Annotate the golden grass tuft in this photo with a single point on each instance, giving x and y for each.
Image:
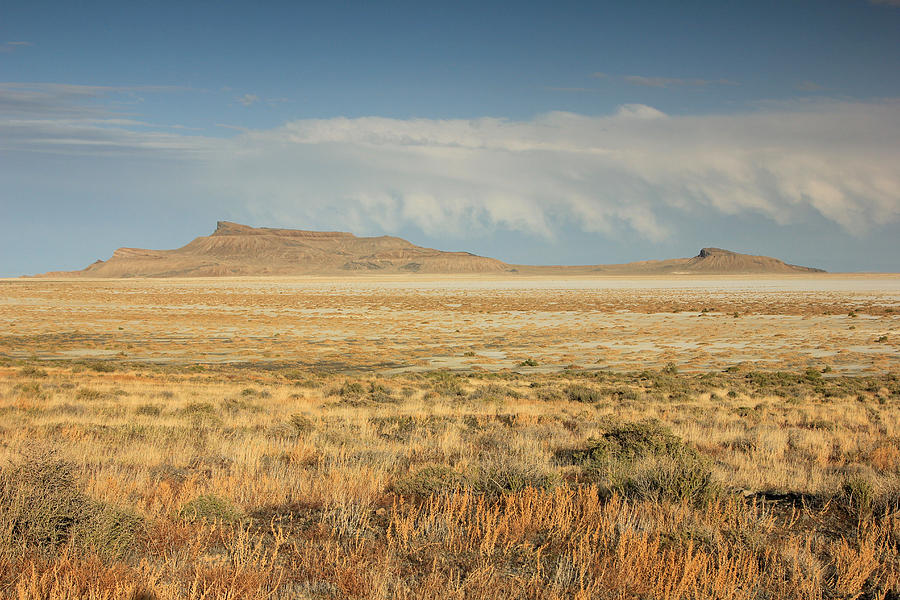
(184, 484)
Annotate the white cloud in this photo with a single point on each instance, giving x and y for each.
(620, 174)
(248, 99)
(607, 174)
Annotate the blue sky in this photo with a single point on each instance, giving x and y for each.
(537, 133)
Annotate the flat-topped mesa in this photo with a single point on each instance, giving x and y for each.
(235, 249)
(707, 252)
(228, 228)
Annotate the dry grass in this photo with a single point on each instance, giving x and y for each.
(141, 482)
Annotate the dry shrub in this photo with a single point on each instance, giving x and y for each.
(866, 495)
(885, 457)
(41, 502)
(645, 460)
(503, 474)
(44, 508)
(583, 393)
(31, 391)
(210, 508)
(430, 479)
(630, 441)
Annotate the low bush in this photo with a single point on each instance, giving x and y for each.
(31, 391)
(301, 423)
(583, 393)
(503, 474)
(680, 478)
(493, 392)
(644, 460)
(630, 441)
(210, 508)
(42, 507)
(148, 410)
(428, 480)
(30, 371)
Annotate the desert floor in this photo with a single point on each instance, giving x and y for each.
(452, 438)
(423, 323)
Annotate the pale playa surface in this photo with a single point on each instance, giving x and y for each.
(404, 322)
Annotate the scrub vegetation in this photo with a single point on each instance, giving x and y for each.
(149, 482)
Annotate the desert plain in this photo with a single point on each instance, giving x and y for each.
(451, 436)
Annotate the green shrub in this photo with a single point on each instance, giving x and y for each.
(352, 388)
(381, 393)
(198, 409)
(31, 390)
(234, 406)
(90, 395)
(254, 393)
(866, 494)
(430, 479)
(110, 531)
(42, 507)
(210, 508)
(32, 372)
(301, 423)
(679, 478)
(40, 502)
(499, 474)
(148, 410)
(493, 392)
(644, 460)
(549, 394)
(631, 441)
(101, 367)
(583, 393)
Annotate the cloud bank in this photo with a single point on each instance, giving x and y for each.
(608, 174)
(620, 175)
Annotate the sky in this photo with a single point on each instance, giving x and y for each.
(536, 133)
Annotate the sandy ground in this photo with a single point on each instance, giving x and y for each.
(848, 322)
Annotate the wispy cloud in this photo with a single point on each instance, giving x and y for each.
(808, 86)
(663, 82)
(251, 99)
(551, 88)
(82, 119)
(66, 100)
(13, 46)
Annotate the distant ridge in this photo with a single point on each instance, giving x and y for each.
(710, 260)
(234, 250)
